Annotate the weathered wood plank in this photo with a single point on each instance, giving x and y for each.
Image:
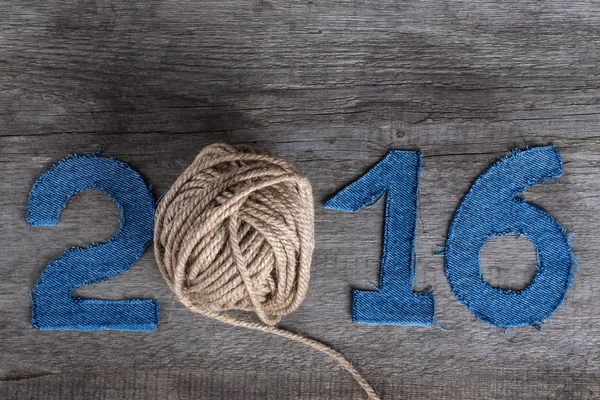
(331, 85)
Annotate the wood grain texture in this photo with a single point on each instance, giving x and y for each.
(332, 86)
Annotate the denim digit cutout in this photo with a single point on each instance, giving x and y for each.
(53, 306)
(492, 209)
(397, 178)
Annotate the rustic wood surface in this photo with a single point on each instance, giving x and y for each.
(332, 86)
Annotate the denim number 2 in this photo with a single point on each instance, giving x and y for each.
(489, 209)
(53, 306)
(396, 178)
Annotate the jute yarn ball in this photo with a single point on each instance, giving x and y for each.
(236, 232)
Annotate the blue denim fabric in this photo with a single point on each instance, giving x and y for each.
(492, 209)
(396, 177)
(53, 306)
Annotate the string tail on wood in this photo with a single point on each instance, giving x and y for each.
(236, 232)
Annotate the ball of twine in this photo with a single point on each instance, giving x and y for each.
(236, 232)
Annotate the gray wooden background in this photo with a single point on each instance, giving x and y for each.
(331, 85)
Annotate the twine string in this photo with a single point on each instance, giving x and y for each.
(236, 232)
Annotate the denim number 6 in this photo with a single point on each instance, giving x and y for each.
(53, 306)
(492, 209)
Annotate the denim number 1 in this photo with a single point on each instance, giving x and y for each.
(397, 178)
